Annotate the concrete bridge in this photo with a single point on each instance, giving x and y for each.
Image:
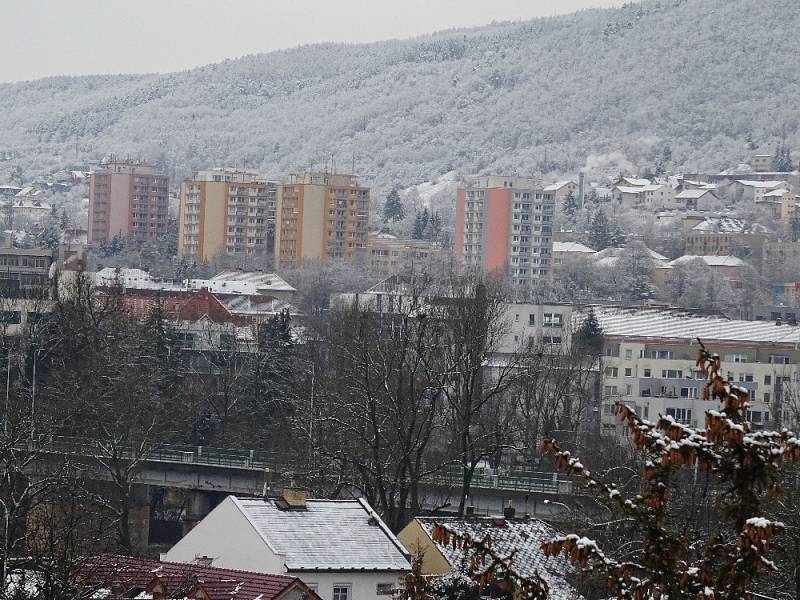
(208, 474)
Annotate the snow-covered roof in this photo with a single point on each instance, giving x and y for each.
(639, 189)
(778, 193)
(227, 282)
(256, 305)
(617, 252)
(571, 247)
(634, 182)
(674, 323)
(711, 261)
(721, 225)
(246, 281)
(521, 537)
(769, 185)
(29, 191)
(692, 194)
(329, 535)
(558, 185)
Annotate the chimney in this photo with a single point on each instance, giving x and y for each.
(293, 499)
(509, 512)
(581, 188)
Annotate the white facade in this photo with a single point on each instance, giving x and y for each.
(346, 554)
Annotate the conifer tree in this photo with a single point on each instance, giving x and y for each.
(393, 210)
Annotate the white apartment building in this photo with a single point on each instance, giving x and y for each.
(650, 356)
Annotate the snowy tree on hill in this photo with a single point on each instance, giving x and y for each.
(782, 161)
(635, 268)
(420, 224)
(602, 233)
(393, 210)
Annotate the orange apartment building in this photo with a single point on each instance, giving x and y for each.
(320, 217)
(127, 198)
(226, 211)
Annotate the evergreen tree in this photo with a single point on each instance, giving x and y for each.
(601, 235)
(636, 269)
(393, 210)
(434, 226)
(782, 161)
(570, 205)
(420, 224)
(589, 336)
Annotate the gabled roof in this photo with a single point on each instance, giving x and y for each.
(639, 189)
(684, 324)
(558, 185)
(632, 181)
(137, 576)
(711, 261)
(522, 537)
(777, 193)
(617, 252)
(693, 194)
(761, 184)
(328, 535)
(571, 247)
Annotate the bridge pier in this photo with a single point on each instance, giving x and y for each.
(198, 504)
(139, 517)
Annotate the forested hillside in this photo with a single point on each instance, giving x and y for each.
(699, 81)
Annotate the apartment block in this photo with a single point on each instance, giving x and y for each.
(389, 254)
(320, 217)
(505, 224)
(226, 211)
(127, 198)
(649, 365)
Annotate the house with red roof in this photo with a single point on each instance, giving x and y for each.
(112, 576)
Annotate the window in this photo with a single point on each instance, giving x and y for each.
(778, 359)
(612, 372)
(671, 374)
(745, 377)
(553, 320)
(735, 358)
(383, 589)
(688, 392)
(341, 591)
(681, 415)
(754, 416)
(628, 354)
(766, 397)
(531, 320)
(647, 373)
(628, 372)
(611, 390)
(767, 379)
(628, 389)
(662, 354)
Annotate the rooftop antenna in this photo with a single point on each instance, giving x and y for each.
(353, 167)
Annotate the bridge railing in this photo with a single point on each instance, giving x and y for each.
(169, 453)
(517, 481)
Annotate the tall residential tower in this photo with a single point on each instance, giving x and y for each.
(505, 224)
(226, 211)
(320, 216)
(127, 198)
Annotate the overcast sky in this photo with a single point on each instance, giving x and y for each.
(77, 37)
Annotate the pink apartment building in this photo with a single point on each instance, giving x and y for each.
(127, 198)
(506, 224)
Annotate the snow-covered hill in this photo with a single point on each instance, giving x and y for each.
(701, 77)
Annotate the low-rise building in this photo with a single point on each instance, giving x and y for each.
(646, 197)
(649, 364)
(388, 253)
(695, 199)
(113, 576)
(341, 549)
(754, 191)
(726, 236)
(520, 538)
(730, 267)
